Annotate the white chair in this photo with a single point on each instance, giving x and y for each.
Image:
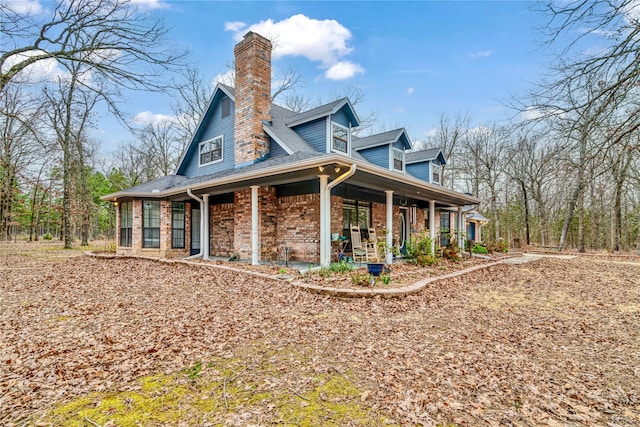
(360, 252)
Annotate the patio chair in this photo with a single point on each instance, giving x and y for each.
(372, 246)
(359, 251)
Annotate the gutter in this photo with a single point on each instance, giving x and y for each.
(325, 213)
(307, 163)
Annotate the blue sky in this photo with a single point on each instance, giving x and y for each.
(412, 60)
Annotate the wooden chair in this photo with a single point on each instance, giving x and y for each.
(372, 246)
(360, 252)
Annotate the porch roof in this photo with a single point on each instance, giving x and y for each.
(295, 168)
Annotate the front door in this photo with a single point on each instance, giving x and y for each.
(195, 231)
(403, 229)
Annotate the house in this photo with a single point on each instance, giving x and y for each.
(257, 178)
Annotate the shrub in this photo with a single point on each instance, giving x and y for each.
(479, 249)
(47, 236)
(419, 249)
(341, 267)
(360, 279)
(499, 246)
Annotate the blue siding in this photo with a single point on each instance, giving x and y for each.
(276, 150)
(379, 156)
(399, 145)
(341, 117)
(420, 170)
(213, 125)
(315, 133)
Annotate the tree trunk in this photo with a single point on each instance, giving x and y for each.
(581, 248)
(526, 211)
(569, 216)
(617, 216)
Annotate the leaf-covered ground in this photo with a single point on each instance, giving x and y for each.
(90, 341)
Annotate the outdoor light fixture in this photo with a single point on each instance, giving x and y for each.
(337, 169)
(321, 168)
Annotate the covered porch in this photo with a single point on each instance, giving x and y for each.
(256, 213)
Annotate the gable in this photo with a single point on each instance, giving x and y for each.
(212, 125)
(379, 156)
(420, 170)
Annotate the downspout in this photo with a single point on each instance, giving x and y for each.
(325, 216)
(194, 197)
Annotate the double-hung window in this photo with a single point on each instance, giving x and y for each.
(339, 138)
(177, 224)
(211, 150)
(398, 160)
(445, 231)
(150, 224)
(126, 222)
(436, 171)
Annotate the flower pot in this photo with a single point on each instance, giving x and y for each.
(374, 268)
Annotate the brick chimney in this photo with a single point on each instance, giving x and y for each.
(252, 98)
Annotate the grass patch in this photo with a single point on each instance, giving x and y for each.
(257, 387)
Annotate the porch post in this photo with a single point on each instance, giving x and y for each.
(389, 203)
(432, 225)
(255, 248)
(325, 222)
(460, 229)
(204, 235)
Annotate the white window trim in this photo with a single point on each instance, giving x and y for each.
(431, 170)
(348, 129)
(221, 138)
(392, 160)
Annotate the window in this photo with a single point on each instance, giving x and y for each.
(211, 150)
(426, 219)
(445, 231)
(340, 138)
(177, 224)
(126, 221)
(356, 212)
(398, 160)
(435, 174)
(225, 107)
(150, 224)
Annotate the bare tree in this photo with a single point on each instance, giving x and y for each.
(18, 134)
(486, 149)
(449, 135)
(160, 143)
(193, 96)
(112, 38)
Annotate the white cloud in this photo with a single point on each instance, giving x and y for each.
(410, 91)
(149, 118)
(227, 78)
(234, 26)
(480, 131)
(481, 54)
(431, 133)
(343, 70)
(537, 113)
(24, 7)
(322, 41)
(151, 4)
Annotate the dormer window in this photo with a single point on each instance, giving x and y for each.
(339, 138)
(211, 150)
(398, 160)
(436, 171)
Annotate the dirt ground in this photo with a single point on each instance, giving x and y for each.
(108, 342)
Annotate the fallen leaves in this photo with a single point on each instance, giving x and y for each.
(550, 342)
